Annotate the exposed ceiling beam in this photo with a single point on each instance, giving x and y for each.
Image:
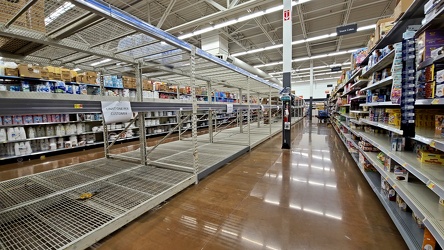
(219, 15)
(216, 5)
(303, 28)
(233, 3)
(166, 13)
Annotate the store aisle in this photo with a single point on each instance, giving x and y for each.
(311, 197)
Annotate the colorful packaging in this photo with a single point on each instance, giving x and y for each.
(7, 120)
(17, 120)
(433, 158)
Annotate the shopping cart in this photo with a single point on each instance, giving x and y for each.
(322, 116)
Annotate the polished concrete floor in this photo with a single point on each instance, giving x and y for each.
(310, 197)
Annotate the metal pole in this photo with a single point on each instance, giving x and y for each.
(241, 115)
(310, 106)
(105, 127)
(269, 111)
(287, 61)
(194, 116)
(210, 114)
(249, 112)
(141, 124)
(179, 116)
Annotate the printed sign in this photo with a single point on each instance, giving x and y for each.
(335, 69)
(115, 111)
(229, 108)
(347, 29)
(287, 15)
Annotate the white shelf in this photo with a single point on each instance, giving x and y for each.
(356, 122)
(359, 83)
(431, 175)
(359, 112)
(383, 63)
(436, 101)
(428, 137)
(373, 104)
(383, 126)
(358, 97)
(384, 82)
(46, 123)
(46, 137)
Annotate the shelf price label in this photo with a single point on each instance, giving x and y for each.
(78, 106)
(431, 185)
(432, 144)
(435, 101)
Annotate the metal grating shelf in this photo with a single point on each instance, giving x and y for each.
(143, 185)
(62, 178)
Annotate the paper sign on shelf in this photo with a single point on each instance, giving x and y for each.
(229, 108)
(116, 111)
(262, 108)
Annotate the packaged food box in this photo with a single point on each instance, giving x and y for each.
(427, 157)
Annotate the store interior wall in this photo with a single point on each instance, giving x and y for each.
(319, 88)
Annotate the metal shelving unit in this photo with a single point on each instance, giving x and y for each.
(384, 82)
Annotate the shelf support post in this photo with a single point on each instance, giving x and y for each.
(269, 111)
(194, 115)
(249, 112)
(141, 120)
(210, 113)
(241, 116)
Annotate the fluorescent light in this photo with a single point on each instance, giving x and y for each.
(58, 12)
(251, 16)
(368, 27)
(241, 19)
(309, 58)
(311, 39)
(205, 30)
(100, 62)
(76, 69)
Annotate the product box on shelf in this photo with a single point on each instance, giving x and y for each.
(28, 70)
(11, 72)
(439, 125)
(427, 157)
(401, 7)
(46, 74)
(147, 85)
(66, 75)
(80, 78)
(383, 26)
(91, 77)
(401, 173)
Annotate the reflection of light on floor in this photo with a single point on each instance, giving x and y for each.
(271, 202)
(211, 229)
(314, 183)
(253, 241)
(313, 167)
(229, 232)
(314, 211)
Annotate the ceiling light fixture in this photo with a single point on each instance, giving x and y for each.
(240, 19)
(311, 39)
(58, 12)
(100, 62)
(308, 58)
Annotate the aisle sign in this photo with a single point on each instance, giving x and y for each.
(229, 108)
(347, 29)
(116, 111)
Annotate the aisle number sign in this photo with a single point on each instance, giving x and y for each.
(116, 111)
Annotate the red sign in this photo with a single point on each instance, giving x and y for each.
(287, 15)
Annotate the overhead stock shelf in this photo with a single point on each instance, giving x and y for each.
(119, 42)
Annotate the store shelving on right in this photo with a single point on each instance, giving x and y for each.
(391, 119)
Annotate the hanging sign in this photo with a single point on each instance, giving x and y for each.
(335, 69)
(229, 108)
(115, 111)
(287, 15)
(347, 29)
